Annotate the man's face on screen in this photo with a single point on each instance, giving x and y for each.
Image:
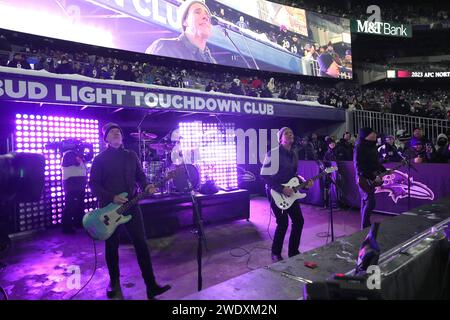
(198, 21)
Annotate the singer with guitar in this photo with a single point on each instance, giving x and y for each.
(114, 171)
(367, 168)
(287, 169)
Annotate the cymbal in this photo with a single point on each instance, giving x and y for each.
(162, 146)
(144, 135)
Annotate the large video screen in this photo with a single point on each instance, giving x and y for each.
(254, 34)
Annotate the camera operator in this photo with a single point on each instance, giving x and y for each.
(74, 176)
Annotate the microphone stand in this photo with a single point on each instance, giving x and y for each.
(248, 48)
(328, 181)
(198, 222)
(142, 157)
(236, 47)
(408, 162)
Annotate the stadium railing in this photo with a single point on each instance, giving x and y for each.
(389, 123)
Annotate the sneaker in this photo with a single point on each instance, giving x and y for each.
(294, 254)
(276, 257)
(156, 291)
(113, 289)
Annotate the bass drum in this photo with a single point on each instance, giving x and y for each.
(180, 181)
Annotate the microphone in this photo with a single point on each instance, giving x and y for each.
(224, 24)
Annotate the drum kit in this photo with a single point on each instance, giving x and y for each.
(156, 161)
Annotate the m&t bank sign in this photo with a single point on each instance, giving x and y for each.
(381, 28)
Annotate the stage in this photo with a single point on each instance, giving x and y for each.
(412, 262)
(37, 264)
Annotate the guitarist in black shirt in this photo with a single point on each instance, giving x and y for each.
(117, 170)
(286, 169)
(367, 166)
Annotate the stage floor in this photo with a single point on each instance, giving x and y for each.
(37, 265)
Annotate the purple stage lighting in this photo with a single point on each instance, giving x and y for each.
(31, 134)
(214, 149)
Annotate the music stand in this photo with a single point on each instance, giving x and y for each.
(328, 181)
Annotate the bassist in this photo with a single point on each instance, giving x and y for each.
(114, 171)
(367, 166)
(285, 159)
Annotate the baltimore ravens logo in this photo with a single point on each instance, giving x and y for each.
(396, 185)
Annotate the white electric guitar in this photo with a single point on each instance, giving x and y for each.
(284, 202)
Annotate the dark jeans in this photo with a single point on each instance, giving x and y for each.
(295, 213)
(135, 229)
(367, 206)
(74, 210)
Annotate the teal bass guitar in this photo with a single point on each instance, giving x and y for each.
(100, 224)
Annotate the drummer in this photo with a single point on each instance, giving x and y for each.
(152, 155)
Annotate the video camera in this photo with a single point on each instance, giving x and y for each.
(82, 149)
(21, 180)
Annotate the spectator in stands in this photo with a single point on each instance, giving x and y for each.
(250, 91)
(271, 85)
(19, 62)
(437, 112)
(318, 146)
(330, 154)
(416, 109)
(242, 23)
(41, 64)
(310, 52)
(191, 44)
(5, 48)
(65, 67)
(291, 93)
(283, 92)
(347, 61)
(420, 152)
(77, 69)
(344, 148)
(322, 49)
(236, 87)
(388, 152)
(265, 92)
(299, 88)
(442, 149)
(306, 150)
(330, 48)
(283, 38)
(401, 106)
(295, 46)
(256, 83)
(211, 87)
(328, 66)
(418, 135)
(124, 73)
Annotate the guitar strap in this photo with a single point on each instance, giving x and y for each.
(129, 161)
